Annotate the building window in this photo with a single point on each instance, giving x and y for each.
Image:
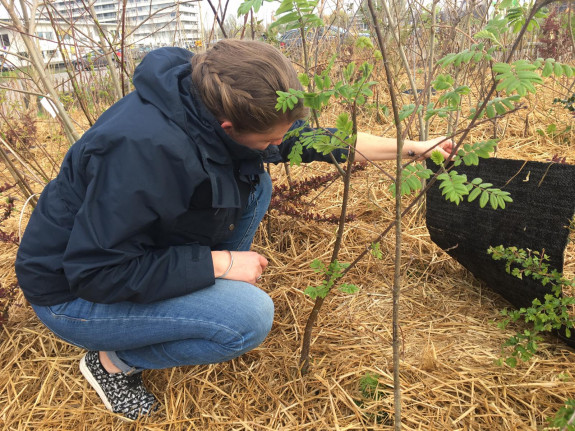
(48, 35)
(5, 40)
(49, 54)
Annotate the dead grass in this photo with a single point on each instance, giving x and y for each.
(449, 378)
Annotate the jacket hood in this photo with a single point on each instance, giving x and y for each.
(158, 79)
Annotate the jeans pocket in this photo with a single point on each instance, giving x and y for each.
(74, 311)
(63, 326)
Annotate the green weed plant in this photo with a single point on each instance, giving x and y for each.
(551, 314)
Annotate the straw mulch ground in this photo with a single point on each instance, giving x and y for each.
(449, 378)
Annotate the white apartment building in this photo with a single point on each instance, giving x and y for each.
(147, 22)
(74, 41)
(64, 28)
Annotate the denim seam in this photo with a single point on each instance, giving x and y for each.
(243, 238)
(164, 319)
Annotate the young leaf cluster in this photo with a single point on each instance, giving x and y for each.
(552, 67)
(407, 110)
(332, 273)
(248, 5)
(455, 186)
(474, 54)
(517, 16)
(521, 77)
(563, 419)
(297, 14)
(495, 28)
(551, 314)
(411, 177)
(470, 154)
(568, 103)
(496, 106)
(376, 250)
(353, 89)
(323, 141)
(371, 389)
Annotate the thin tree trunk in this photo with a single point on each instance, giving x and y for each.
(424, 135)
(397, 264)
(306, 342)
(395, 32)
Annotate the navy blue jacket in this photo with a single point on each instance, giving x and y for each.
(141, 198)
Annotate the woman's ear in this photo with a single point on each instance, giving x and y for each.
(227, 126)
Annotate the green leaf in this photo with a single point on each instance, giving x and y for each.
(437, 157)
(295, 154)
(547, 69)
(317, 292)
(447, 60)
(303, 79)
(486, 34)
(493, 201)
(343, 121)
(442, 82)
(511, 361)
(318, 266)
(499, 108)
(483, 199)
(348, 288)
(289, 18)
(528, 75)
(406, 111)
(507, 103)
(246, 6)
(349, 71)
(490, 111)
(501, 68)
(473, 195)
(558, 70)
(524, 65)
(376, 250)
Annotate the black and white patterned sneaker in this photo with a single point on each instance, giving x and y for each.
(120, 393)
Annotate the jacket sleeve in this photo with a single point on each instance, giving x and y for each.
(308, 154)
(112, 254)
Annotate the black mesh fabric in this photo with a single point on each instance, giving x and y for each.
(538, 219)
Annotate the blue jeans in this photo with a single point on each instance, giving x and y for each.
(211, 325)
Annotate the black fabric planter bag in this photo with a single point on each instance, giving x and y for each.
(538, 219)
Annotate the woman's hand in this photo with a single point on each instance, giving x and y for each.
(247, 265)
(425, 148)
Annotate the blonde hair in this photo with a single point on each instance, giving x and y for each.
(238, 79)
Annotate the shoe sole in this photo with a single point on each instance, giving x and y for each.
(94, 383)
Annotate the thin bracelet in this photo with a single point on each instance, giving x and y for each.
(229, 267)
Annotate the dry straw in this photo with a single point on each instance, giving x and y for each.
(449, 379)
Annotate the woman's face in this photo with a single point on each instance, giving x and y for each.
(257, 141)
